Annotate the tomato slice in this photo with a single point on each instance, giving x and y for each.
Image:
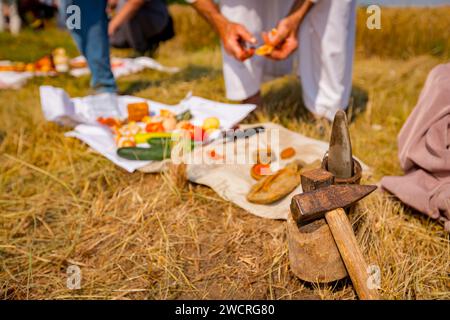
(214, 155)
(154, 127)
(260, 170)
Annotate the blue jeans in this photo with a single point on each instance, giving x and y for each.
(92, 41)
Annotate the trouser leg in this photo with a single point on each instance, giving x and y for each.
(242, 79)
(15, 22)
(92, 40)
(326, 51)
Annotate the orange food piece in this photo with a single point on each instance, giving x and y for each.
(44, 63)
(267, 48)
(45, 69)
(30, 67)
(259, 171)
(110, 122)
(137, 111)
(287, 153)
(214, 155)
(166, 113)
(19, 67)
(77, 64)
(127, 143)
(7, 68)
(154, 127)
(264, 50)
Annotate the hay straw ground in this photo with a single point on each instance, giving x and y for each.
(136, 236)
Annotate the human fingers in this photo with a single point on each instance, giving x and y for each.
(244, 34)
(283, 51)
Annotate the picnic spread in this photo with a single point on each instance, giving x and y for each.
(86, 115)
(261, 168)
(138, 135)
(264, 168)
(14, 74)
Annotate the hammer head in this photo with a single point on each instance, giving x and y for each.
(320, 194)
(312, 205)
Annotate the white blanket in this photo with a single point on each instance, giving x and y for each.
(82, 113)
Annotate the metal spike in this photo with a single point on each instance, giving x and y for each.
(340, 161)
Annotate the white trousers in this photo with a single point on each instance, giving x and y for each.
(324, 59)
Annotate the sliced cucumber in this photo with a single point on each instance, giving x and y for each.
(155, 153)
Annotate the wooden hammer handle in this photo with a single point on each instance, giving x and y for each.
(351, 253)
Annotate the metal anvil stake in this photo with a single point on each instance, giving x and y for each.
(322, 245)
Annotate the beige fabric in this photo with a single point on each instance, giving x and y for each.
(233, 181)
(424, 151)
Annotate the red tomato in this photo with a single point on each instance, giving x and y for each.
(154, 127)
(187, 126)
(260, 170)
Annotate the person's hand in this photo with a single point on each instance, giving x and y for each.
(284, 41)
(127, 12)
(235, 38)
(112, 5)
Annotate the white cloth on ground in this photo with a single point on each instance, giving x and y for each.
(82, 113)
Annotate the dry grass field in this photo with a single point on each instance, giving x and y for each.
(137, 236)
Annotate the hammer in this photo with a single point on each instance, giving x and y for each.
(321, 198)
(328, 200)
